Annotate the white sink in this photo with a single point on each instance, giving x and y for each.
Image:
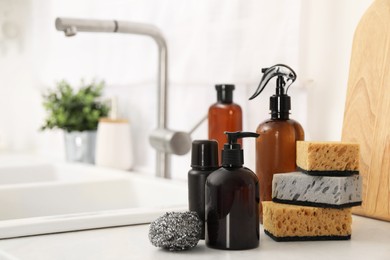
(16, 169)
(78, 197)
(26, 173)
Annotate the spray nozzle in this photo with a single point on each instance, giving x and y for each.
(280, 103)
(283, 72)
(232, 154)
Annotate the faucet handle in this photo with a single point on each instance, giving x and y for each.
(169, 141)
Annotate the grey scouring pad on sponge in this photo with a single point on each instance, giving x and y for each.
(176, 231)
(318, 191)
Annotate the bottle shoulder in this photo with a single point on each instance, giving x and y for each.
(198, 171)
(240, 176)
(279, 125)
(222, 106)
(289, 121)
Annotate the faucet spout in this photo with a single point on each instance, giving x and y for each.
(71, 27)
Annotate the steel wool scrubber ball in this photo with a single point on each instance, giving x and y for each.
(176, 231)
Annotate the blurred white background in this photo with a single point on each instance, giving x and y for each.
(209, 42)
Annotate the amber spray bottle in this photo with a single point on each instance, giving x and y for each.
(232, 200)
(223, 116)
(276, 149)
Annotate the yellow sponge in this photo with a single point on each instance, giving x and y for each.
(285, 222)
(334, 158)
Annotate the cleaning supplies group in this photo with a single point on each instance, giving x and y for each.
(313, 205)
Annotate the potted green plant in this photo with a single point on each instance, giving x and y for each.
(77, 113)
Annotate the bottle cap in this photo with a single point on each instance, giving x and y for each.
(204, 154)
(225, 93)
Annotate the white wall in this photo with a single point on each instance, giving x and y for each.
(326, 44)
(209, 42)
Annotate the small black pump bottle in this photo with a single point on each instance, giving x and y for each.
(232, 200)
(204, 160)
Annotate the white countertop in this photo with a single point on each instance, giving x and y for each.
(370, 240)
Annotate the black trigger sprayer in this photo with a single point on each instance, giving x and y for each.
(280, 103)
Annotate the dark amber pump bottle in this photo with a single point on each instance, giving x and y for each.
(232, 201)
(276, 148)
(224, 116)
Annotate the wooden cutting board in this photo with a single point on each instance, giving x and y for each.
(367, 110)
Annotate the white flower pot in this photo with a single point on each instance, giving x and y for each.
(80, 146)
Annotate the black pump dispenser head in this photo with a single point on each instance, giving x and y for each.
(232, 154)
(280, 103)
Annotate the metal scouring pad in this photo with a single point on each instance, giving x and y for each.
(176, 231)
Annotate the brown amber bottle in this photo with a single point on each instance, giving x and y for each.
(232, 201)
(276, 148)
(224, 116)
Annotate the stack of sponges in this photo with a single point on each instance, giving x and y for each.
(315, 204)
